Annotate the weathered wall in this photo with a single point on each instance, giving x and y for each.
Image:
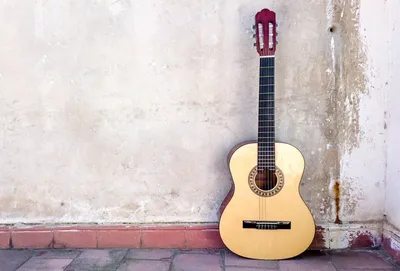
(392, 210)
(125, 111)
(391, 230)
(363, 106)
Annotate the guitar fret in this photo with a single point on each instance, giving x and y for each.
(266, 72)
(266, 121)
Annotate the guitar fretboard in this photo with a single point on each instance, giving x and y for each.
(266, 115)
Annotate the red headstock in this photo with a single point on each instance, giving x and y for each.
(265, 28)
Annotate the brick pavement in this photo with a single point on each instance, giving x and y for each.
(186, 260)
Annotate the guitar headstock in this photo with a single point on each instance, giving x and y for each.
(265, 35)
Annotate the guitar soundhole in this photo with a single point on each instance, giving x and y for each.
(266, 180)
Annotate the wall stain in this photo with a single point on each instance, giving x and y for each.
(385, 120)
(362, 240)
(319, 241)
(336, 191)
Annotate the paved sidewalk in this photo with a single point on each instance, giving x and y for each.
(186, 260)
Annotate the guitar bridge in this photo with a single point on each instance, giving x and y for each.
(266, 225)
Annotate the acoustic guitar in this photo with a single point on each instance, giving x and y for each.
(266, 218)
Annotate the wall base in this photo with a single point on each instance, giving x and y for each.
(180, 236)
(169, 236)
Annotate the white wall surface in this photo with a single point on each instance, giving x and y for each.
(393, 123)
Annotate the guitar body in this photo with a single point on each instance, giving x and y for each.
(285, 205)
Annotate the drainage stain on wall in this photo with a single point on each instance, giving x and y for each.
(336, 192)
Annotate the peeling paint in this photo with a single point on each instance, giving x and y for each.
(351, 68)
(392, 247)
(342, 236)
(351, 194)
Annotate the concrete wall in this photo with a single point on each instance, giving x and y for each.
(125, 111)
(391, 230)
(393, 119)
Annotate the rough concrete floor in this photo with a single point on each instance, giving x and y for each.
(168, 260)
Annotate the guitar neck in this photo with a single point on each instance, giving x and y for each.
(266, 114)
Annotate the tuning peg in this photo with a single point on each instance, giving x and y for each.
(255, 44)
(254, 27)
(254, 35)
(276, 24)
